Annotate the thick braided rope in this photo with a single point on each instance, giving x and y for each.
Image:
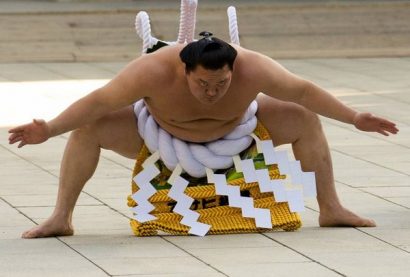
(143, 28)
(183, 21)
(233, 25)
(190, 30)
(195, 157)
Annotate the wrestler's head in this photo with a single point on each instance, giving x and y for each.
(208, 67)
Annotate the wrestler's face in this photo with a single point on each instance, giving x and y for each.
(209, 86)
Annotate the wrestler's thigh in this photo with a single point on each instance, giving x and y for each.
(285, 121)
(118, 132)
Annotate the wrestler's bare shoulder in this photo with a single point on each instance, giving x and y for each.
(250, 63)
(159, 65)
(166, 56)
(264, 74)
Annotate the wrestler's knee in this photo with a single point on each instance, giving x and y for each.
(90, 132)
(118, 132)
(85, 132)
(311, 121)
(101, 130)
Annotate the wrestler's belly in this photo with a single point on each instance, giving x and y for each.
(200, 130)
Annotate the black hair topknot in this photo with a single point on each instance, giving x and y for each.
(209, 52)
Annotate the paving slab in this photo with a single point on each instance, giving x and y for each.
(46, 257)
(41, 200)
(402, 201)
(348, 251)
(279, 269)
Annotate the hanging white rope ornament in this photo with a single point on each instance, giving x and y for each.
(183, 21)
(194, 157)
(233, 25)
(143, 28)
(190, 30)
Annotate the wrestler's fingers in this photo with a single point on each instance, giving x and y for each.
(393, 130)
(17, 129)
(389, 128)
(13, 136)
(386, 122)
(18, 134)
(21, 144)
(381, 131)
(16, 139)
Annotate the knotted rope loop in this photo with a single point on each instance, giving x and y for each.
(195, 157)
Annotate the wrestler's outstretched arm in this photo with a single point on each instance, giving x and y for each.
(127, 87)
(279, 83)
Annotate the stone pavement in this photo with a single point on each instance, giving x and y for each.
(372, 171)
(372, 174)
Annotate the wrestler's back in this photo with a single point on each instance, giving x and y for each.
(176, 110)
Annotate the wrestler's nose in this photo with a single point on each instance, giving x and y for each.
(212, 92)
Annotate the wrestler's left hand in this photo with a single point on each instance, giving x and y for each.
(370, 123)
(33, 133)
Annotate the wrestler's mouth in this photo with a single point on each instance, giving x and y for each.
(211, 99)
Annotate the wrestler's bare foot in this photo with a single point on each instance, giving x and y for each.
(50, 228)
(341, 217)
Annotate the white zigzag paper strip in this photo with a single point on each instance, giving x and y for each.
(184, 202)
(293, 168)
(293, 196)
(262, 216)
(146, 190)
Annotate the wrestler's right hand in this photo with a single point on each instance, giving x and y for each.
(33, 133)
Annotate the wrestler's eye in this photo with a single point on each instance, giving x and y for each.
(221, 83)
(203, 84)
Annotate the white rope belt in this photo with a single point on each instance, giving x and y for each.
(194, 158)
